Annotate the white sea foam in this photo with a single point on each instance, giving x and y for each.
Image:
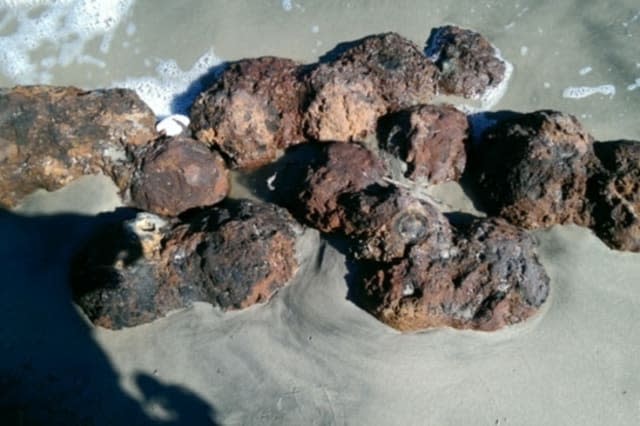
(493, 94)
(66, 26)
(586, 70)
(171, 90)
(287, 5)
(23, 3)
(634, 86)
(584, 91)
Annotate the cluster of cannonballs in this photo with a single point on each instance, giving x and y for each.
(349, 144)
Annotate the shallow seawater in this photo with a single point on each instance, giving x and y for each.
(580, 57)
(310, 356)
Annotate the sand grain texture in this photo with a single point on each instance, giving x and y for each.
(310, 356)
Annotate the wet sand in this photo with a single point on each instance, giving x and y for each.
(310, 356)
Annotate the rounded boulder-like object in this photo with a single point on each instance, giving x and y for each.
(533, 169)
(178, 174)
(369, 78)
(430, 139)
(252, 111)
(616, 194)
(491, 279)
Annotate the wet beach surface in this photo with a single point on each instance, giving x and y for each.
(310, 356)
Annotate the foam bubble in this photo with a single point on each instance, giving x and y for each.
(172, 90)
(89, 17)
(68, 25)
(23, 3)
(287, 5)
(493, 94)
(131, 29)
(584, 91)
(586, 70)
(634, 86)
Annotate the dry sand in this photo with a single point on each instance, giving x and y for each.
(310, 356)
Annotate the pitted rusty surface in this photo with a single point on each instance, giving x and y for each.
(50, 136)
(232, 256)
(177, 174)
(490, 278)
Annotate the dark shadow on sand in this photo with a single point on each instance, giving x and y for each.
(279, 182)
(357, 272)
(52, 371)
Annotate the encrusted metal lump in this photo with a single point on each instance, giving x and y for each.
(532, 169)
(252, 111)
(352, 143)
(233, 255)
(50, 136)
(615, 194)
(175, 174)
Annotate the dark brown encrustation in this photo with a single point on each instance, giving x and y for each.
(233, 255)
(312, 188)
(177, 174)
(615, 194)
(469, 64)
(375, 75)
(491, 278)
(252, 111)
(50, 136)
(533, 169)
(430, 139)
(385, 222)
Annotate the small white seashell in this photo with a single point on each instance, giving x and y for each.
(147, 222)
(173, 125)
(408, 289)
